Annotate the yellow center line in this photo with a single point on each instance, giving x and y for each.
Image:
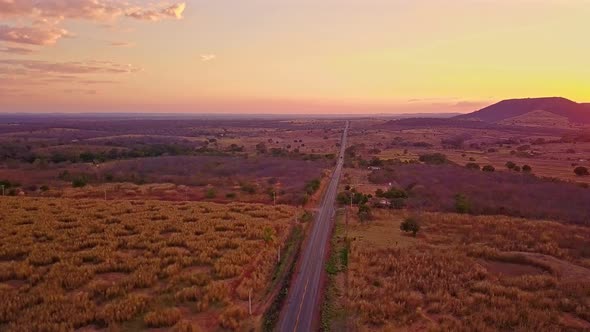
(301, 305)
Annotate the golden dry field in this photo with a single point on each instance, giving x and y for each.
(461, 273)
(131, 265)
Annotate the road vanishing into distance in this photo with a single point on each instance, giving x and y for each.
(303, 299)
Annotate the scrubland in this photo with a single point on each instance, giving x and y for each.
(462, 273)
(70, 264)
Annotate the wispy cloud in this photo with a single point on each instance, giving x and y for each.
(175, 12)
(208, 57)
(121, 44)
(16, 50)
(88, 67)
(33, 35)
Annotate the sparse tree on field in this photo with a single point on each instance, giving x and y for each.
(410, 225)
(462, 204)
(581, 171)
(488, 168)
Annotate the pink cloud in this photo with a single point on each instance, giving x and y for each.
(122, 44)
(16, 50)
(10, 8)
(31, 35)
(45, 16)
(175, 12)
(88, 67)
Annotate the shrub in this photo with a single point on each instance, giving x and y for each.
(462, 204)
(581, 171)
(162, 318)
(410, 225)
(210, 193)
(248, 188)
(510, 165)
(232, 317)
(488, 168)
(474, 166)
(185, 326)
(516, 168)
(364, 212)
(433, 158)
(79, 182)
(527, 168)
(312, 186)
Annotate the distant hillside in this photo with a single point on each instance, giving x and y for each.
(507, 109)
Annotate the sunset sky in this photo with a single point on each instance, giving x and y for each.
(289, 56)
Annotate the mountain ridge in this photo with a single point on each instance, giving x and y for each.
(510, 108)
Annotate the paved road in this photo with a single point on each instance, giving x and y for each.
(303, 301)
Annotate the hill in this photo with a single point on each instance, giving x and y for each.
(506, 109)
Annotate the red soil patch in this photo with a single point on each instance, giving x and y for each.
(510, 269)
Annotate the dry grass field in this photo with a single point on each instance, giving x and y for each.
(551, 158)
(131, 265)
(461, 273)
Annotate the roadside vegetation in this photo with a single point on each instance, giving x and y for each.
(463, 273)
(69, 264)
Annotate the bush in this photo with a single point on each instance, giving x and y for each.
(232, 317)
(248, 188)
(527, 168)
(79, 182)
(210, 193)
(488, 168)
(433, 158)
(581, 171)
(162, 318)
(364, 213)
(473, 166)
(410, 225)
(510, 165)
(462, 204)
(312, 186)
(391, 193)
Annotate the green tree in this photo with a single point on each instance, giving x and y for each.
(410, 225)
(488, 168)
(268, 235)
(462, 204)
(210, 193)
(79, 182)
(581, 171)
(364, 213)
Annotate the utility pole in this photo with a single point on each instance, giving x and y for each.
(250, 301)
(279, 254)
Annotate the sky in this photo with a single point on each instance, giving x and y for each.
(289, 56)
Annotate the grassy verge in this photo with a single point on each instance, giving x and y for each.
(333, 314)
(283, 275)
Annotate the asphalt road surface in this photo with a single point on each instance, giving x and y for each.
(303, 299)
